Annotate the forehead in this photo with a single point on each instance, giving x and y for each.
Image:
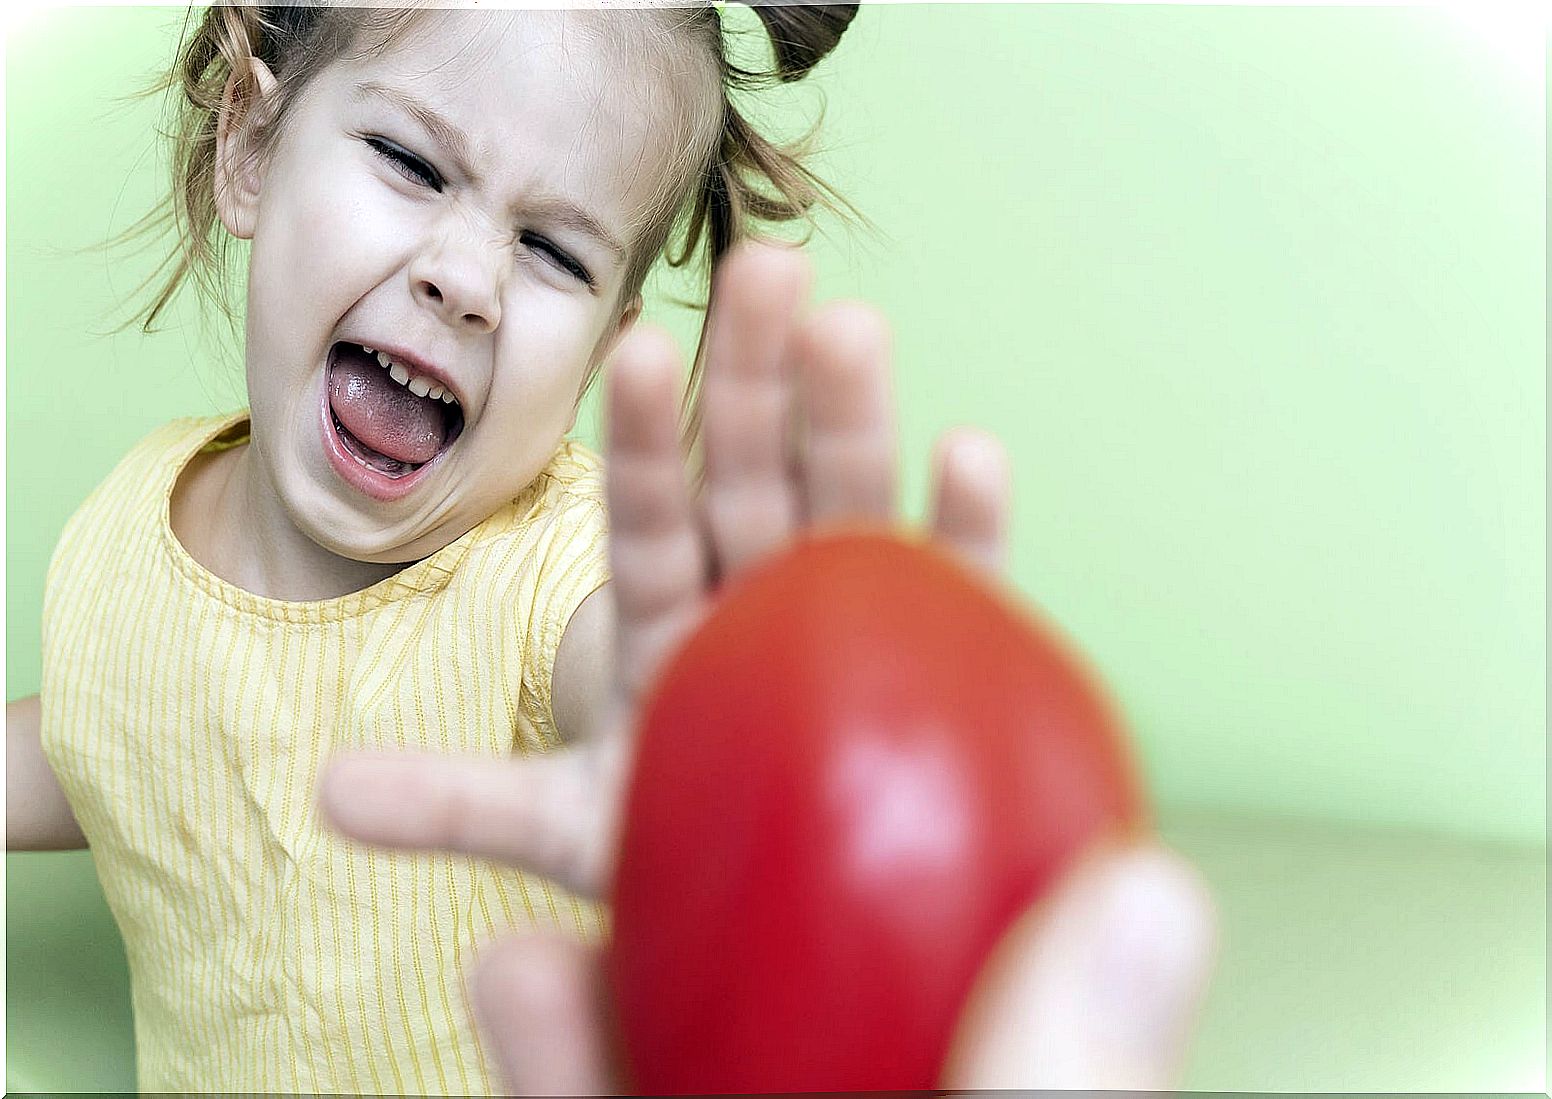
(567, 99)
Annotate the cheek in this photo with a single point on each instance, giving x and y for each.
(341, 236)
(329, 236)
(541, 365)
(548, 340)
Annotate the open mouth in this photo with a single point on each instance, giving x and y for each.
(391, 421)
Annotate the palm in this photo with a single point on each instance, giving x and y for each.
(772, 374)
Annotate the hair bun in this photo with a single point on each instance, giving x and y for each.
(802, 32)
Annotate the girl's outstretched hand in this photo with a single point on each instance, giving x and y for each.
(798, 430)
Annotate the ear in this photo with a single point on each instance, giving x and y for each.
(238, 175)
(628, 318)
(627, 321)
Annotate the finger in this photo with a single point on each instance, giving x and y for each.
(848, 459)
(655, 551)
(972, 497)
(1096, 989)
(750, 501)
(539, 1000)
(547, 814)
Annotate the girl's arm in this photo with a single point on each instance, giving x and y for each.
(581, 683)
(37, 816)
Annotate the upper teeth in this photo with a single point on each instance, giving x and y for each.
(418, 384)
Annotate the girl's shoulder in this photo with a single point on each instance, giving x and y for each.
(568, 492)
(557, 558)
(556, 527)
(576, 471)
(122, 517)
(145, 473)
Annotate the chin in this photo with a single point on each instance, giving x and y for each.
(355, 541)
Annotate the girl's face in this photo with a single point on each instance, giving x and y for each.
(462, 203)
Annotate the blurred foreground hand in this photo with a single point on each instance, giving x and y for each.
(1095, 988)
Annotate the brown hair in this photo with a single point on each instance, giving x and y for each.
(730, 176)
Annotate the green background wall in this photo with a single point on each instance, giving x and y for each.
(1255, 298)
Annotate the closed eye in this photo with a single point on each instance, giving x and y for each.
(406, 163)
(558, 257)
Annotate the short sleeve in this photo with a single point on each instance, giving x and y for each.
(572, 563)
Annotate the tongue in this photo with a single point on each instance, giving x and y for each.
(383, 414)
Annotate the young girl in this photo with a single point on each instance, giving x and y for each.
(451, 215)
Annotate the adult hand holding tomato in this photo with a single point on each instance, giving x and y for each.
(848, 781)
(1096, 987)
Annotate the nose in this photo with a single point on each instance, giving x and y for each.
(459, 282)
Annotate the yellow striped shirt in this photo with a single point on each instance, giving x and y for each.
(187, 720)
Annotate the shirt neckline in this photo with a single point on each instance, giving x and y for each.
(423, 577)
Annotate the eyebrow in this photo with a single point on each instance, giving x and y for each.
(453, 140)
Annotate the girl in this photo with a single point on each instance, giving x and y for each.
(450, 216)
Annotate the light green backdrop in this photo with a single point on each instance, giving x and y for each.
(1255, 298)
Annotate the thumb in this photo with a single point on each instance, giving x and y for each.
(1096, 987)
(540, 1004)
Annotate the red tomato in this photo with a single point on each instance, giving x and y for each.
(848, 782)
